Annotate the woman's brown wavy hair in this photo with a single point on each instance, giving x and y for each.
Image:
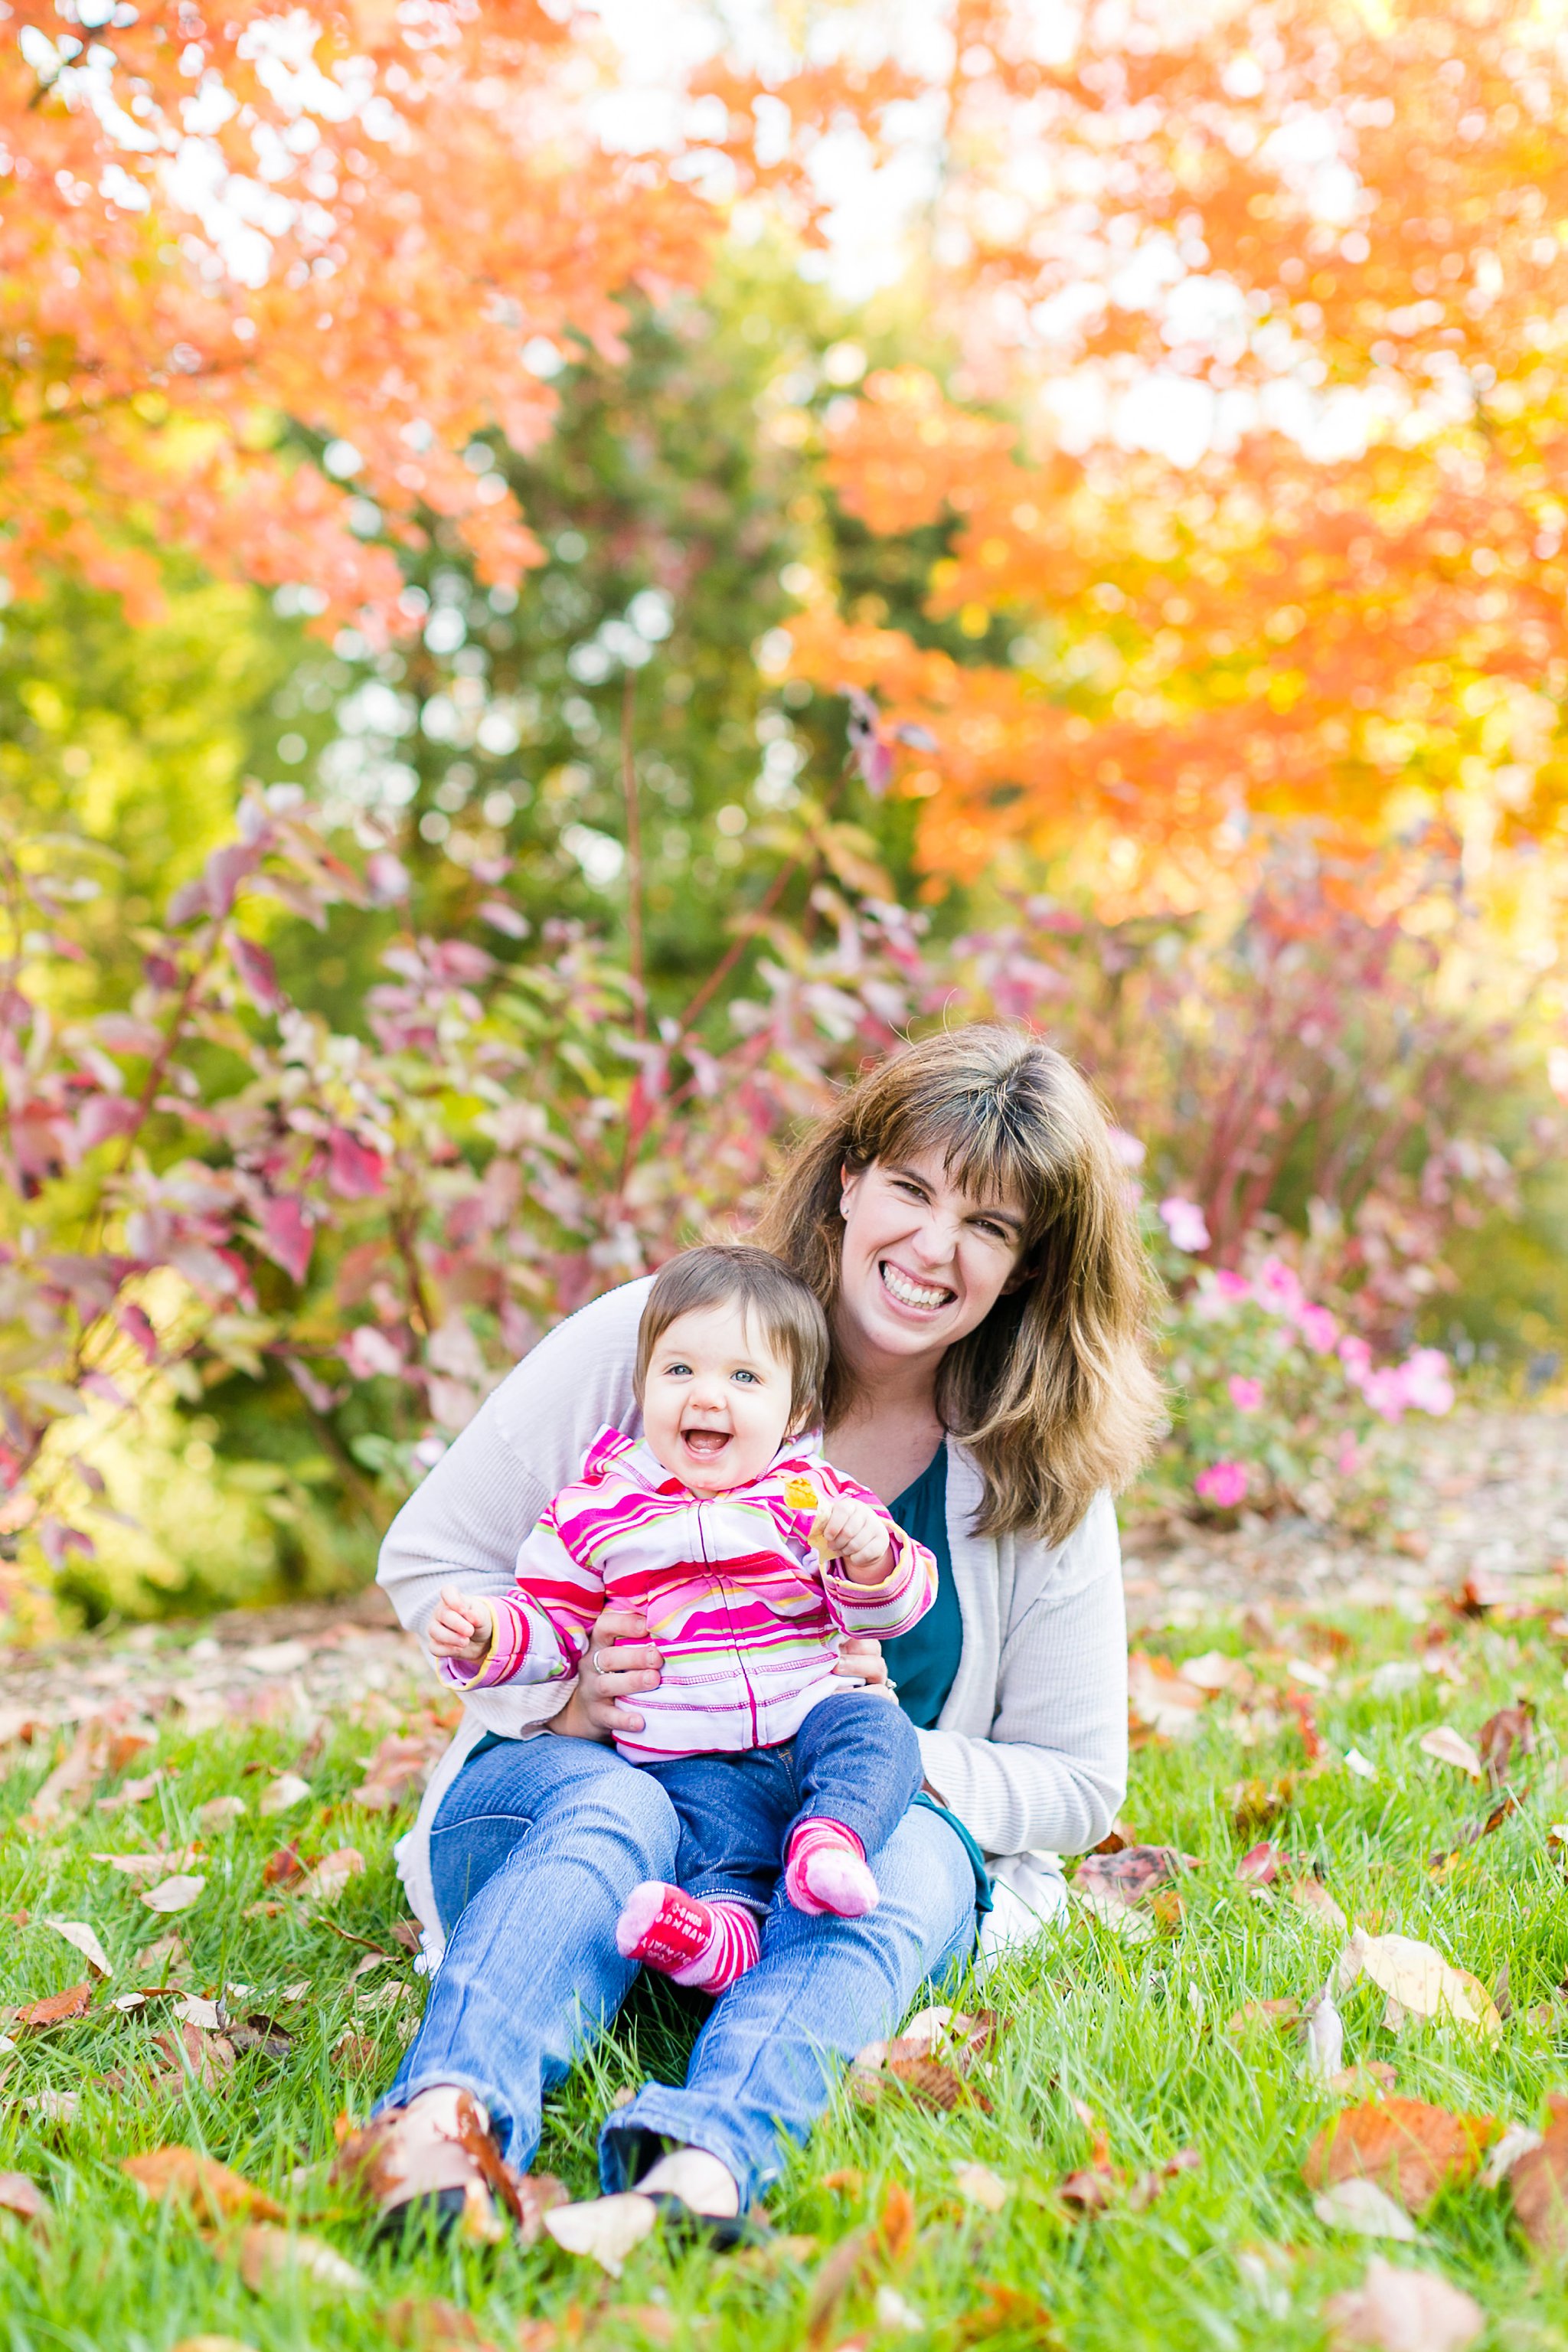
(1054, 1393)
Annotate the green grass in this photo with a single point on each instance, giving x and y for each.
(1137, 2032)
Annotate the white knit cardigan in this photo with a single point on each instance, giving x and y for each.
(1031, 1749)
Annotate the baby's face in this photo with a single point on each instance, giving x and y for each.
(716, 1401)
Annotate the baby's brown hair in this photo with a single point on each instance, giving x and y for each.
(793, 1322)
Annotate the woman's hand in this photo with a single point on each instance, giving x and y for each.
(620, 1662)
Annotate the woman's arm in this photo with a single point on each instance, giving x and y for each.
(468, 1521)
(1054, 1770)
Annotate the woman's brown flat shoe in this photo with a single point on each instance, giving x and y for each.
(437, 2167)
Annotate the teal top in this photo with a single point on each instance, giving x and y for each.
(923, 1662)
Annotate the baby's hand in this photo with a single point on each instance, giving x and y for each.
(853, 1532)
(461, 1626)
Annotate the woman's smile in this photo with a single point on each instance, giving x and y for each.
(924, 1297)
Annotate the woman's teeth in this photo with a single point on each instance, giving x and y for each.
(912, 1294)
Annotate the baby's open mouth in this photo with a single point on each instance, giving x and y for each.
(706, 1443)
(910, 1293)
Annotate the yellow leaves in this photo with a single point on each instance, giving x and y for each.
(1418, 1982)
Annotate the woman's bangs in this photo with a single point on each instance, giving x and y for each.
(982, 1150)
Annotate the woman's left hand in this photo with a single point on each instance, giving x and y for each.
(860, 1654)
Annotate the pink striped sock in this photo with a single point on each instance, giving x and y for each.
(824, 1870)
(706, 1945)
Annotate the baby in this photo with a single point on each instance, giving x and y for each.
(750, 1558)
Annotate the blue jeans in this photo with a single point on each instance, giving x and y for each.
(536, 1847)
(855, 1760)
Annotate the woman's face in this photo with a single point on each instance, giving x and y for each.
(924, 1261)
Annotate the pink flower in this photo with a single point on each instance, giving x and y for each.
(1319, 1329)
(1127, 1147)
(1356, 1357)
(1347, 1461)
(1384, 1393)
(1424, 1378)
(1246, 1395)
(1231, 1284)
(1277, 1287)
(1222, 1483)
(1184, 1221)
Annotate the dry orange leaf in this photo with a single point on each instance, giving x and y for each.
(58, 2008)
(1282, 2015)
(418, 2325)
(1407, 2147)
(1511, 1729)
(896, 2223)
(1400, 2310)
(20, 2195)
(1539, 2184)
(1007, 2311)
(332, 1874)
(210, 2188)
(268, 2255)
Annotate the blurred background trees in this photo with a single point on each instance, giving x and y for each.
(650, 665)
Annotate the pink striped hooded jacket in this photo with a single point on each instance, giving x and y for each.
(746, 1619)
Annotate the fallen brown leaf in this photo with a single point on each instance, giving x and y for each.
(1447, 1746)
(176, 1893)
(20, 2195)
(896, 2227)
(1471, 1835)
(259, 2031)
(528, 2198)
(1148, 2185)
(1479, 1592)
(849, 2178)
(283, 1867)
(832, 2282)
(1007, 2311)
(1161, 1702)
(1254, 1805)
(210, 2188)
(82, 1939)
(433, 2325)
(1310, 1895)
(268, 2256)
(1283, 2015)
(1407, 2147)
(1125, 1878)
(327, 1881)
(649, 2319)
(1370, 2079)
(58, 2008)
(1511, 1730)
(398, 1770)
(1400, 2310)
(356, 2053)
(1539, 2184)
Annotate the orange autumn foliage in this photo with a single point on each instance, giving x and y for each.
(1321, 218)
(230, 237)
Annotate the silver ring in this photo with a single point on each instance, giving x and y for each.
(599, 1667)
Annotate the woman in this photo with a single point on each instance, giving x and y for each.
(963, 1217)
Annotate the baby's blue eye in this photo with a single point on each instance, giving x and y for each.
(747, 1376)
(673, 1372)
